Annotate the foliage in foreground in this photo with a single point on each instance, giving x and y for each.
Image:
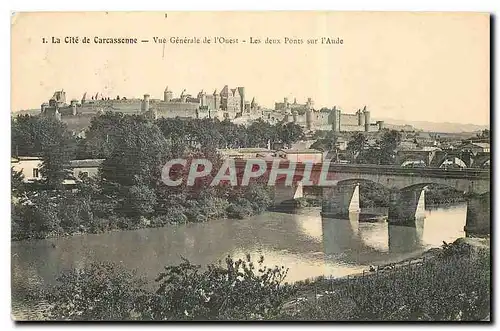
(235, 289)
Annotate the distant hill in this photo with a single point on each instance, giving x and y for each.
(436, 126)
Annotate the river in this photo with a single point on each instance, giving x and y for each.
(306, 243)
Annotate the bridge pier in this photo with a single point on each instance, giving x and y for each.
(478, 215)
(407, 206)
(340, 200)
(284, 193)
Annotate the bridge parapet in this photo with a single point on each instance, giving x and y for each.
(470, 180)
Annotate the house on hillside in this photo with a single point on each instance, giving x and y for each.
(29, 166)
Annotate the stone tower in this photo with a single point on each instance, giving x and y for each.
(145, 103)
(336, 119)
(380, 125)
(309, 119)
(241, 91)
(361, 118)
(183, 96)
(167, 95)
(216, 100)
(367, 119)
(309, 114)
(73, 107)
(202, 96)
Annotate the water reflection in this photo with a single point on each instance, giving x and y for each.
(404, 239)
(306, 243)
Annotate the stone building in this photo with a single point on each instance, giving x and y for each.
(324, 119)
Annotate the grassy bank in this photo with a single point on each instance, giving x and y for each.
(448, 284)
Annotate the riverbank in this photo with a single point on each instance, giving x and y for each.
(50, 215)
(450, 283)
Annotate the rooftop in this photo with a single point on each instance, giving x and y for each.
(88, 163)
(482, 145)
(301, 151)
(25, 158)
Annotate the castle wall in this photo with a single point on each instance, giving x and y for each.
(352, 128)
(349, 120)
(124, 106)
(176, 112)
(374, 128)
(176, 107)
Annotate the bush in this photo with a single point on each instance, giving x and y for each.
(260, 197)
(100, 291)
(38, 217)
(214, 207)
(240, 209)
(140, 201)
(234, 290)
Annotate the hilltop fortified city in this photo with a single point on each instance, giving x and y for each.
(228, 103)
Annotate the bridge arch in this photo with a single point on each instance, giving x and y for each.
(482, 162)
(413, 163)
(452, 161)
(409, 159)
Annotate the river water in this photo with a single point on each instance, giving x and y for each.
(306, 243)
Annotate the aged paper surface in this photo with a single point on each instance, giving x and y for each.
(155, 142)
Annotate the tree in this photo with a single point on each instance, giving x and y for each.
(260, 133)
(133, 170)
(102, 136)
(388, 143)
(484, 134)
(58, 150)
(26, 140)
(139, 153)
(290, 133)
(356, 144)
(17, 182)
(327, 143)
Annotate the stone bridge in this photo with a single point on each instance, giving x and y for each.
(436, 158)
(340, 188)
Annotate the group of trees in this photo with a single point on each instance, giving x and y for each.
(129, 191)
(358, 149)
(190, 133)
(209, 133)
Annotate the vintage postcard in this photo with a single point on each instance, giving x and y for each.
(253, 166)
